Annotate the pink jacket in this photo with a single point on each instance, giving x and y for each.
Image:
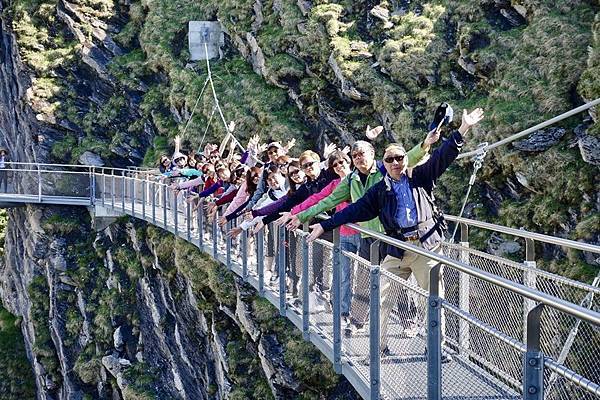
(317, 197)
(239, 199)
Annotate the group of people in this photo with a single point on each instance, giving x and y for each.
(393, 196)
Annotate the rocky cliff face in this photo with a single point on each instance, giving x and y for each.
(132, 313)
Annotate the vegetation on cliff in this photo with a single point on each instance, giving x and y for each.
(16, 376)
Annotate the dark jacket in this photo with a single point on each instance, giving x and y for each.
(381, 200)
(304, 192)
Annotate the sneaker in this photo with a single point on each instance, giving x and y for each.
(445, 359)
(353, 328)
(413, 331)
(386, 352)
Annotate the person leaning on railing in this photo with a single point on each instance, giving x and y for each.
(404, 204)
(367, 172)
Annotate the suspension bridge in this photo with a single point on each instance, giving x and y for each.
(512, 330)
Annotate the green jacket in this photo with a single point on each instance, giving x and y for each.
(351, 189)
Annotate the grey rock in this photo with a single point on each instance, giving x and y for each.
(513, 17)
(541, 140)
(383, 15)
(305, 6)
(89, 158)
(589, 147)
(501, 247)
(118, 341)
(346, 87)
(280, 377)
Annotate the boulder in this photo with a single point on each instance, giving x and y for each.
(589, 147)
(280, 377)
(540, 140)
(499, 246)
(383, 15)
(89, 158)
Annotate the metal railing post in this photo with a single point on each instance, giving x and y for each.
(228, 244)
(200, 217)
(281, 269)
(533, 361)
(132, 190)
(214, 236)
(434, 336)
(165, 220)
(374, 327)
(337, 310)
(305, 297)
(154, 203)
(93, 187)
(103, 187)
(144, 190)
(175, 212)
(112, 190)
(39, 174)
(464, 287)
(245, 255)
(529, 280)
(260, 261)
(123, 191)
(188, 220)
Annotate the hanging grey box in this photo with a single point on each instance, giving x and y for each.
(201, 32)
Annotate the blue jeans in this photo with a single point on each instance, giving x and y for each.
(350, 244)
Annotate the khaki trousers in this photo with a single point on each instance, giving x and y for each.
(411, 263)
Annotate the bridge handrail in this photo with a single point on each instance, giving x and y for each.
(559, 304)
(525, 234)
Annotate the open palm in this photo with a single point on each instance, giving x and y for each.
(472, 118)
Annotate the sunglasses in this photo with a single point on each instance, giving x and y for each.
(164, 160)
(399, 158)
(271, 152)
(358, 154)
(339, 164)
(308, 164)
(294, 172)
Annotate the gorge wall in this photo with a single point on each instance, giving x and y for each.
(129, 312)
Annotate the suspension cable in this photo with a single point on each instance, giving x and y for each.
(534, 128)
(194, 109)
(480, 154)
(212, 114)
(214, 92)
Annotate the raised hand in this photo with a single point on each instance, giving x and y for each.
(470, 119)
(290, 144)
(432, 137)
(330, 148)
(372, 133)
(222, 221)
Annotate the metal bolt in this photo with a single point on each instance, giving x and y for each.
(532, 390)
(433, 303)
(374, 287)
(433, 324)
(532, 362)
(374, 382)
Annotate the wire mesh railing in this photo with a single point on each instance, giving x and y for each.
(484, 314)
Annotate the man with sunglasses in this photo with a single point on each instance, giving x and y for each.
(404, 204)
(367, 172)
